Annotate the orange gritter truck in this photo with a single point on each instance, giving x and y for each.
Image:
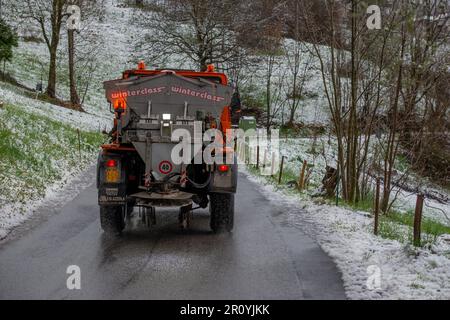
(159, 114)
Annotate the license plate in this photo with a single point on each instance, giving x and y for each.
(112, 175)
(102, 200)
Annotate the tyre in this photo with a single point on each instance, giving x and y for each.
(112, 219)
(222, 212)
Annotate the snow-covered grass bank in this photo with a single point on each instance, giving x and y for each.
(40, 151)
(15, 96)
(109, 44)
(321, 152)
(39, 141)
(346, 235)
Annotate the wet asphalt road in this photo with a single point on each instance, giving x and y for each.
(262, 259)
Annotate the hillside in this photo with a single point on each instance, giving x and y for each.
(40, 149)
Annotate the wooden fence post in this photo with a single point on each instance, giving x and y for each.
(418, 220)
(302, 175)
(281, 170)
(377, 207)
(257, 157)
(79, 143)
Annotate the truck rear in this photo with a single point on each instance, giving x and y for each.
(160, 154)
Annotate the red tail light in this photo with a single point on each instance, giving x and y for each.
(111, 163)
(223, 168)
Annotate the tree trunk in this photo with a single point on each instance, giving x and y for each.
(51, 86)
(294, 100)
(393, 143)
(291, 118)
(271, 61)
(330, 182)
(56, 21)
(203, 64)
(352, 139)
(74, 98)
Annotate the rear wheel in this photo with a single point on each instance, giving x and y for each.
(112, 219)
(222, 212)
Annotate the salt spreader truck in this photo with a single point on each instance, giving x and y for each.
(136, 170)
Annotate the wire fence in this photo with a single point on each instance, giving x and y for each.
(270, 163)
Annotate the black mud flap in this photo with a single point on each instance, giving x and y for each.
(111, 194)
(224, 182)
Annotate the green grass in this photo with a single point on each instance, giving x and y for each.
(388, 229)
(399, 226)
(36, 151)
(288, 176)
(431, 229)
(365, 204)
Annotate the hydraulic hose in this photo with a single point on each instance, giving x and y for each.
(200, 186)
(195, 184)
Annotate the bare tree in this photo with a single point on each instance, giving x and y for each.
(49, 15)
(420, 71)
(274, 94)
(353, 77)
(299, 62)
(425, 94)
(88, 45)
(199, 30)
(74, 98)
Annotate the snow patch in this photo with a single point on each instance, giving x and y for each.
(346, 236)
(58, 194)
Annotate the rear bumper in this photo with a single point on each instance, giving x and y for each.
(170, 199)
